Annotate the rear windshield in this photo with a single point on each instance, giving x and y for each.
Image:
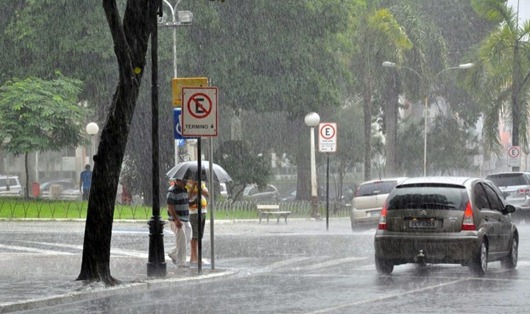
(508, 179)
(428, 197)
(376, 188)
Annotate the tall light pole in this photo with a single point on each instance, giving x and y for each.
(426, 108)
(92, 129)
(156, 262)
(312, 120)
(179, 18)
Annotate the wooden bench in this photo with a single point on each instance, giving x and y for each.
(272, 210)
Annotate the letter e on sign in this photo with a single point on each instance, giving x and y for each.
(327, 137)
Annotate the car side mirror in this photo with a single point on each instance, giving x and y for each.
(508, 209)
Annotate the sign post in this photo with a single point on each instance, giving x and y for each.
(199, 118)
(327, 143)
(514, 156)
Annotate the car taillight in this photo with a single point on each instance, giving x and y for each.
(382, 218)
(523, 191)
(468, 223)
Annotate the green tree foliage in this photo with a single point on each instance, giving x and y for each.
(350, 149)
(457, 152)
(501, 78)
(244, 165)
(272, 55)
(435, 47)
(40, 115)
(44, 36)
(377, 37)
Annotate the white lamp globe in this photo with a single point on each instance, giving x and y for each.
(312, 119)
(92, 128)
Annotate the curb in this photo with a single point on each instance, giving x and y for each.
(99, 291)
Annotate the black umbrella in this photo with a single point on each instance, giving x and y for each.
(188, 170)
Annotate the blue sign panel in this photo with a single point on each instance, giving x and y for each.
(177, 129)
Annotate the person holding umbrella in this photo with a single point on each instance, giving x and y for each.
(178, 216)
(196, 222)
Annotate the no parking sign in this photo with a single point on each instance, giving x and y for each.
(327, 137)
(199, 111)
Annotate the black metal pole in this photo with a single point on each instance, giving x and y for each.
(327, 192)
(199, 206)
(156, 265)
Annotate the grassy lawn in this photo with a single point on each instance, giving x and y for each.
(18, 208)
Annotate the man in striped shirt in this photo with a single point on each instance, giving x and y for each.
(178, 215)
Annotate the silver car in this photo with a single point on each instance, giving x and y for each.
(369, 199)
(515, 187)
(61, 189)
(446, 220)
(10, 186)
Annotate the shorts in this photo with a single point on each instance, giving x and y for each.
(194, 220)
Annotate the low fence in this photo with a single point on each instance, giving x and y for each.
(11, 208)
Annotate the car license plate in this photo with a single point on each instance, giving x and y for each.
(374, 214)
(423, 224)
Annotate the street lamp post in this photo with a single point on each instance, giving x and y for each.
(312, 120)
(156, 264)
(92, 129)
(179, 18)
(463, 66)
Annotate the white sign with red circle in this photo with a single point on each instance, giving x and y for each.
(199, 111)
(514, 156)
(327, 137)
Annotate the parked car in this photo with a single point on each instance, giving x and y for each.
(62, 189)
(515, 187)
(291, 197)
(269, 193)
(15, 189)
(369, 198)
(223, 190)
(446, 220)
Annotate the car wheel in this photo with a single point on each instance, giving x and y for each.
(383, 266)
(479, 263)
(510, 261)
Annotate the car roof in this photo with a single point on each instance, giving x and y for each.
(398, 179)
(509, 173)
(437, 180)
(10, 176)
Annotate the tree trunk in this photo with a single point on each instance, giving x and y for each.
(391, 109)
(367, 110)
(303, 166)
(130, 45)
(516, 79)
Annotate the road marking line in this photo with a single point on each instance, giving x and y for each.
(34, 250)
(332, 262)
(121, 252)
(395, 295)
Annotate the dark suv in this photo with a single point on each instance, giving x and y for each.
(515, 187)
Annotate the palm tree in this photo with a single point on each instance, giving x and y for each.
(501, 77)
(375, 34)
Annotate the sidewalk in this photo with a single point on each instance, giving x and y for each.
(26, 281)
(37, 276)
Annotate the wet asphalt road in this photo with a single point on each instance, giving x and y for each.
(295, 268)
